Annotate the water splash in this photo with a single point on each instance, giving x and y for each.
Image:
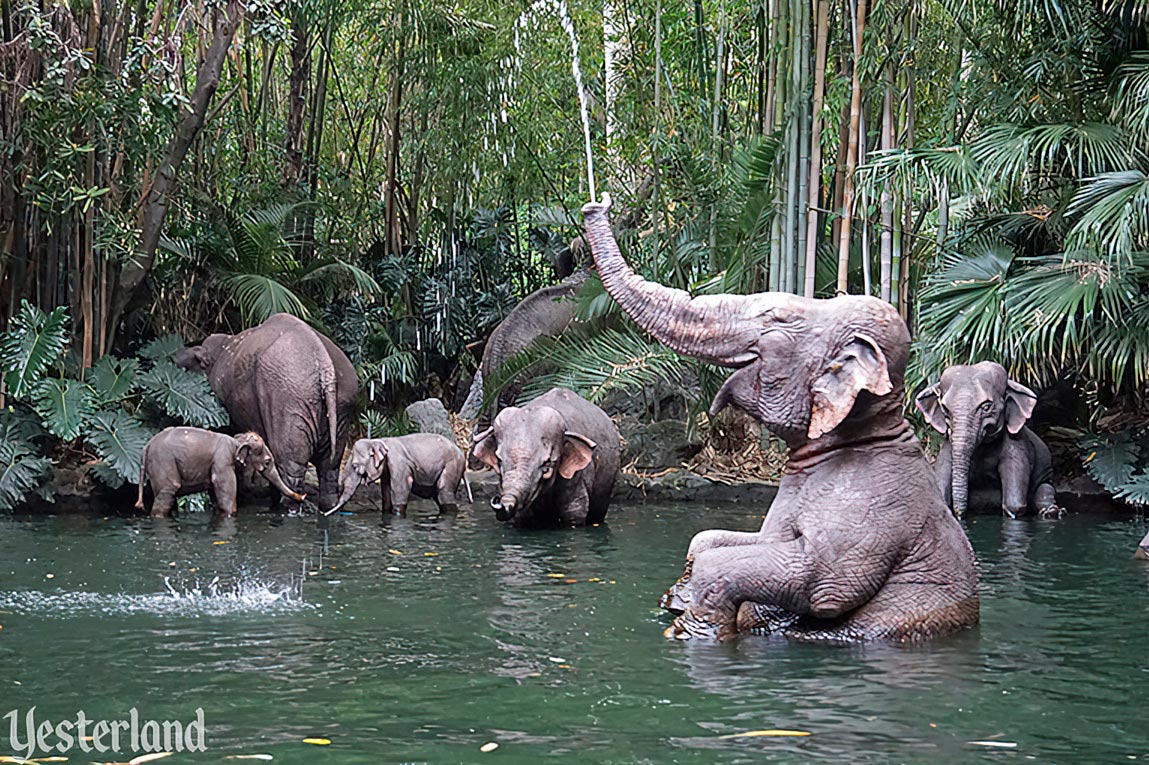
(564, 16)
(244, 596)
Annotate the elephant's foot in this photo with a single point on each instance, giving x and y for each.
(1142, 552)
(1051, 512)
(692, 626)
(757, 619)
(677, 598)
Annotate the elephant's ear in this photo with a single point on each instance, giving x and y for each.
(929, 403)
(859, 365)
(243, 453)
(1019, 403)
(378, 456)
(577, 453)
(484, 450)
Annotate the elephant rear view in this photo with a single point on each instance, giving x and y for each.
(290, 384)
(546, 312)
(557, 459)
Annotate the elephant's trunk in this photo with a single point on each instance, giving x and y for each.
(719, 328)
(273, 477)
(516, 491)
(350, 485)
(963, 441)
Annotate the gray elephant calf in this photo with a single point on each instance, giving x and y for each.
(557, 460)
(982, 413)
(179, 461)
(424, 464)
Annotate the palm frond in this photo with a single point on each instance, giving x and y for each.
(22, 472)
(119, 439)
(258, 297)
(1112, 211)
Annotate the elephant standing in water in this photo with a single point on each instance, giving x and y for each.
(557, 458)
(291, 385)
(424, 464)
(858, 544)
(982, 414)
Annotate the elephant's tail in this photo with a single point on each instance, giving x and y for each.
(143, 476)
(474, 402)
(328, 386)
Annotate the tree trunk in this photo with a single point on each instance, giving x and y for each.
(859, 26)
(886, 238)
(163, 185)
(298, 78)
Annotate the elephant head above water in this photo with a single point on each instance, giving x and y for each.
(982, 413)
(805, 367)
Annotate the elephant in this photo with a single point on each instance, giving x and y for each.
(427, 465)
(858, 544)
(982, 413)
(179, 461)
(557, 458)
(290, 384)
(546, 312)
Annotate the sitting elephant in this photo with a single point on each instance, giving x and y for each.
(179, 461)
(982, 414)
(291, 385)
(557, 458)
(858, 544)
(424, 464)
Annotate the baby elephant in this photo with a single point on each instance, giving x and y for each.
(982, 414)
(557, 460)
(424, 464)
(181, 461)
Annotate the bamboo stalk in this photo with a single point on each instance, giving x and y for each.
(815, 182)
(859, 26)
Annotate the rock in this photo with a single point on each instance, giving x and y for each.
(654, 445)
(430, 416)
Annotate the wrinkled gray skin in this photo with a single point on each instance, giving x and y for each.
(982, 414)
(179, 461)
(291, 385)
(557, 458)
(546, 312)
(858, 544)
(424, 464)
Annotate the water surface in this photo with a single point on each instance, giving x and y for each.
(420, 640)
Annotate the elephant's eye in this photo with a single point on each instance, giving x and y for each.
(986, 405)
(548, 470)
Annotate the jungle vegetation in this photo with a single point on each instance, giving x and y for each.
(400, 172)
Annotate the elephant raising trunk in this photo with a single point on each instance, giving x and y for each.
(722, 329)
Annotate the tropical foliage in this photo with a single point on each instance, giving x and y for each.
(105, 417)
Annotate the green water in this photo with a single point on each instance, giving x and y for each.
(445, 653)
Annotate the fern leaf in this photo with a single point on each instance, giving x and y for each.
(112, 380)
(34, 342)
(119, 439)
(64, 405)
(185, 396)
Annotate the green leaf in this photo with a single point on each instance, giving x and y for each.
(1111, 460)
(1135, 491)
(162, 347)
(34, 342)
(183, 395)
(112, 380)
(64, 406)
(22, 472)
(119, 439)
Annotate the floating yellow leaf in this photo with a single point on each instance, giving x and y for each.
(15, 760)
(594, 579)
(490, 746)
(49, 759)
(757, 733)
(317, 741)
(149, 757)
(220, 542)
(995, 744)
(557, 576)
(430, 554)
(570, 581)
(395, 552)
